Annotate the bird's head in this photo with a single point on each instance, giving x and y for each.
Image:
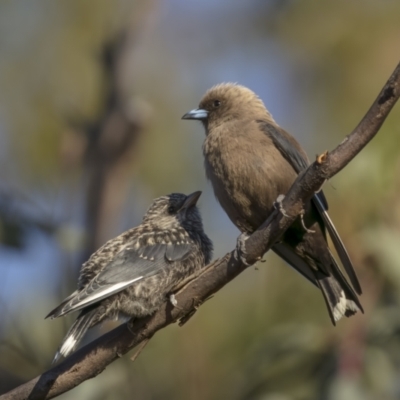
(226, 102)
(174, 210)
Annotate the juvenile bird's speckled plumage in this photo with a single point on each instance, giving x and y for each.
(250, 161)
(132, 274)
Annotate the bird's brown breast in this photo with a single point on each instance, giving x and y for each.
(247, 172)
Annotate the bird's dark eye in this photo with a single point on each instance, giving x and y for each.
(216, 103)
(171, 210)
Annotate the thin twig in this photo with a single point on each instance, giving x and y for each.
(140, 349)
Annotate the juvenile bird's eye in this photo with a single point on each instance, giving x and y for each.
(216, 103)
(171, 210)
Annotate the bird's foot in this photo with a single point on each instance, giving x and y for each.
(240, 251)
(304, 225)
(173, 301)
(323, 183)
(279, 206)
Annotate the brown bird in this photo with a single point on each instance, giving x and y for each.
(250, 161)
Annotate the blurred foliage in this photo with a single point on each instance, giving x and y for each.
(318, 66)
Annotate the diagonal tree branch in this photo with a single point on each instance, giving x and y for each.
(94, 358)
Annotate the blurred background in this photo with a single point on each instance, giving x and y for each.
(91, 96)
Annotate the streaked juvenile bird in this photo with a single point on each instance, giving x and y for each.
(134, 273)
(251, 161)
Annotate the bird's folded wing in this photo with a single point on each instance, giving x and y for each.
(337, 242)
(127, 267)
(287, 145)
(292, 152)
(286, 253)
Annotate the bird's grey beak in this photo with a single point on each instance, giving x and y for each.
(191, 200)
(197, 113)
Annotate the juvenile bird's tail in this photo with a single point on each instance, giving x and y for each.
(340, 298)
(75, 334)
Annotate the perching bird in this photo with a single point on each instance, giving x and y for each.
(134, 273)
(250, 161)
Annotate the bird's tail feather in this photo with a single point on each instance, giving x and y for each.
(75, 334)
(340, 298)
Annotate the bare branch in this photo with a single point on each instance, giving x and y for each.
(94, 358)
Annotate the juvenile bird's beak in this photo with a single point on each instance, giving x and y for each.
(197, 113)
(191, 200)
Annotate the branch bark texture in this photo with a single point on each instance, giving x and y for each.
(94, 358)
